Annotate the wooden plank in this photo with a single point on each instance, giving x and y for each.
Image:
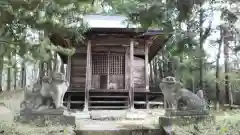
(108, 96)
(79, 68)
(116, 49)
(150, 103)
(88, 76)
(108, 102)
(78, 63)
(98, 41)
(131, 91)
(77, 102)
(78, 81)
(77, 85)
(79, 75)
(108, 90)
(74, 102)
(108, 107)
(74, 91)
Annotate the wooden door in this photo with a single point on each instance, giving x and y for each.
(108, 71)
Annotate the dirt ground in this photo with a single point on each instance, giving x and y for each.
(10, 104)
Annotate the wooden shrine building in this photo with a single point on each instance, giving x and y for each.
(110, 70)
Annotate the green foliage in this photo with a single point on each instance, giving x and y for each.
(19, 18)
(226, 123)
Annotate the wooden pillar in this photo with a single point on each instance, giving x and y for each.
(69, 67)
(146, 73)
(69, 102)
(131, 88)
(126, 74)
(146, 67)
(88, 75)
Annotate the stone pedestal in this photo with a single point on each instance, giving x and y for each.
(186, 113)
(46, 116)
(166, 122)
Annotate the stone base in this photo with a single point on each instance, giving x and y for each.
(186, 113)
(45, 117)
(135, 115)
(82, 115)
(166, 123)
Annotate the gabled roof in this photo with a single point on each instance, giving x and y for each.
(118, 24)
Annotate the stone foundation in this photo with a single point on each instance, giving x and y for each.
(45, 117)
(186, 113)
(166, 123)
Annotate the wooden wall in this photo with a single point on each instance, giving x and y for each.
(78, 67)
(138, 72)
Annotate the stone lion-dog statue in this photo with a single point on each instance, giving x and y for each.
(49, 95)
(178, 98)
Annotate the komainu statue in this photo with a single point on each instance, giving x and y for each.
(178, 98)
(49, 95)
(169, 87)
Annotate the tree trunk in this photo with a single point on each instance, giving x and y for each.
(23, 75)
(165, 65)
(160, 63)
(15, 72)
(201, 49)
(9, 72)
(41, 72)
(1, 72)
(228, 97)
(217, 72)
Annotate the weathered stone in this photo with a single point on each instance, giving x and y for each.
(178, 98)
(133, 115)
(49, 95)
(166, 123)
(41, 118)
(189, 100)
(169, 87)
(185, 120)
(82, 115)
(186, 113)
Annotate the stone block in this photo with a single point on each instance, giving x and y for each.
(166, 123)
(186, 113)
(44, 117)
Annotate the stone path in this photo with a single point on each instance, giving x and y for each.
(5, 113)
(142, 119)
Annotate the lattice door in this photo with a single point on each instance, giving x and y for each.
(110, 67)
(100, 63)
